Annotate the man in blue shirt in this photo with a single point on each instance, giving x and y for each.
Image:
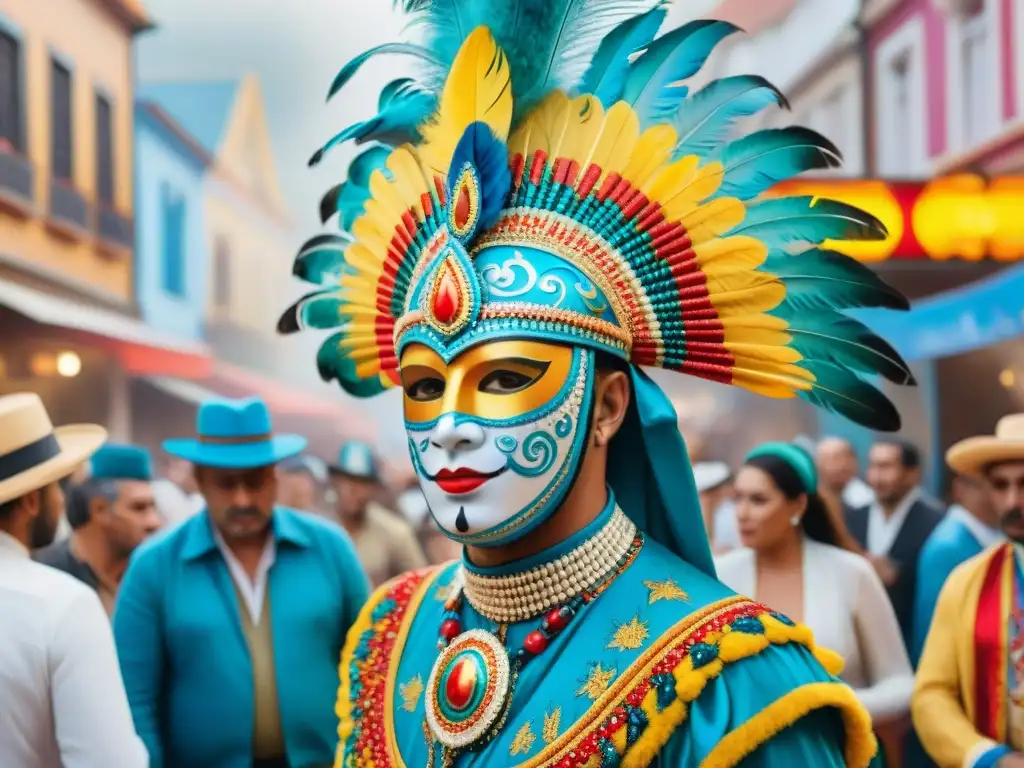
(230, 626)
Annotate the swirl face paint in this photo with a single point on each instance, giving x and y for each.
(496, 434)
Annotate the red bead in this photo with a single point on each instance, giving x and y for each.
(556, 619)
(451, 628)
(535, 642)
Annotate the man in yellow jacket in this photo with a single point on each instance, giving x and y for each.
(968, 704)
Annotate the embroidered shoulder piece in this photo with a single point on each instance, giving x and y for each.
(635, 717)
(364, 666)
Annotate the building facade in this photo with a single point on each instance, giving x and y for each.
(172, 255)
(249, 242)
(68, 307)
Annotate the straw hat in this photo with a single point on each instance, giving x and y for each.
(33, 453)
(971, 456)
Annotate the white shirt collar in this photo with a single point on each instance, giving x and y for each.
(252, 590)
(882, 530)
(983, 534)
(10, 545)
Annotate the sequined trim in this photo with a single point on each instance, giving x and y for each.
(368, 672)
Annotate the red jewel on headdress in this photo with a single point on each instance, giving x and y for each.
(447, 300)
(557, 619)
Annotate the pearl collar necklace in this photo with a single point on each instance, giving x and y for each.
(514, 597)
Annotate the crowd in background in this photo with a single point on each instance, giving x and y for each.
(241, 536)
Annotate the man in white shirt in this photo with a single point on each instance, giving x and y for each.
(894, 528)
(62, 701)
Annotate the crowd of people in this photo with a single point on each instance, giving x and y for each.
(868, 562)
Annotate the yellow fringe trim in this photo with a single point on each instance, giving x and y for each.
(740, 743)
(690, 682)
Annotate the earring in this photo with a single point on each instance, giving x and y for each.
(794, 520)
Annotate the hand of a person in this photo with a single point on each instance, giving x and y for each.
(885, 568)
(1012, 760)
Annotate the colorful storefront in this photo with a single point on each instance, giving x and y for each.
(956, 248)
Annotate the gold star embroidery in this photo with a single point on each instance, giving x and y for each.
(443, 591)
(410, 693)
(551, 722)
(629, 636)
(598, 682)
(665, 590)
(523, 742)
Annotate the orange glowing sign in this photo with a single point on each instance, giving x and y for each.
(964, 216)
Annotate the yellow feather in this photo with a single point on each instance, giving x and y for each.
(769, 385)
(767, 353)
(387, 196)
(408, 178)
(711, 219)
(745, 293)
(360, 258)
(550, 121)
(586, 115)
(519, 142)
(688, 194)
(369, 368)
(652, 150)
(478, 88)
(725, 255)
(615, 141)
(663, 185)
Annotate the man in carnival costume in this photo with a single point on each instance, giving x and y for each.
(546, 210)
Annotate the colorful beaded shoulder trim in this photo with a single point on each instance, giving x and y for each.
(364, 666)
(634, 719)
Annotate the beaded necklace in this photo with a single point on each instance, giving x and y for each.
(473, 679)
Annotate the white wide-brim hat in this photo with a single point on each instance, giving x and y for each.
(971, 456)
(709, 475)
(34, 453)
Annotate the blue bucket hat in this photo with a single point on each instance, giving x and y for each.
(235, 434)
(356, 459)
(121, 462)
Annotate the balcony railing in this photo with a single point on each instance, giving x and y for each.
(68, 207)
(17, 179)
(114, 228)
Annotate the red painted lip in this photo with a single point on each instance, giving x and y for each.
(462, 481)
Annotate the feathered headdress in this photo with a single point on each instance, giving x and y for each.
(548, 173)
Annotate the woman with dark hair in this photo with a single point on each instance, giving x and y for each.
(792, 561)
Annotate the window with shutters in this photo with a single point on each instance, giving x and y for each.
(12, 129)
(61, 122)
(172, 222)
(104, 152)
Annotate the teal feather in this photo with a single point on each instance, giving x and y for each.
(323, 264)
(652, 84)
(787, 221)
(409, 49)
(398, 123)
(704, 121)
(488, 157)
(548, 43)
(349, 198)
(841, 391)
(833, 337)
(606, 76)
(821, 279)
(334, 365)
(319, 310)
(761, 160)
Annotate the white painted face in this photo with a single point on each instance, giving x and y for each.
(496, 434)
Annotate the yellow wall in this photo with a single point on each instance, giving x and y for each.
(84, 34)
(245, 207)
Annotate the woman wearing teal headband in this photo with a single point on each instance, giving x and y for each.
(791, 561)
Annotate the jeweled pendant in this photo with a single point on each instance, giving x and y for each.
(468, 689)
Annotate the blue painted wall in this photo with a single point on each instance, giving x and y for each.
(170, 224)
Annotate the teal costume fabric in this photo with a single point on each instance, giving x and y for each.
(950, 544)
(184, 657)
(555, 687)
